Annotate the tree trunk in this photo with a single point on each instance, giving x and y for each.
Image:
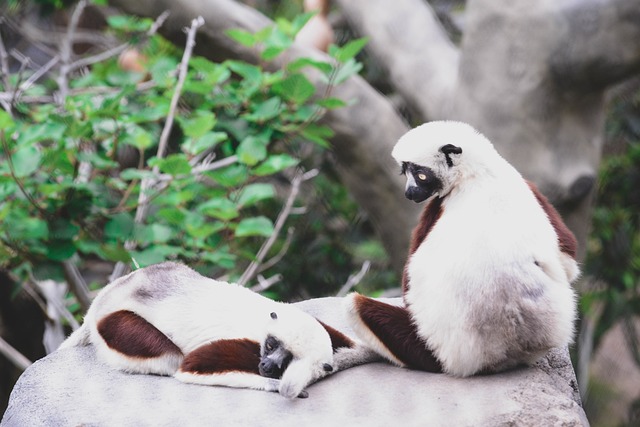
(529, 75)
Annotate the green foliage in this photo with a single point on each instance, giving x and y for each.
(614, 244)
(71, 174)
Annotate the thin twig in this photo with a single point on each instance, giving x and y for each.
(283, 250)
(182, 75)
(33, 294)
(57, 304)
(103, 56)
(4, 61)
(25, 62)
(18, 181)
(252, 269)
(14, 356)
(264, 284)
(354, 279)
(34, 78)
(77, 284)
(147, 184)
(66, 50)
(202, 168)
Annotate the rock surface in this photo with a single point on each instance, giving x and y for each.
(71, 388)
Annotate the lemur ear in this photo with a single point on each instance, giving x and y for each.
(274, 315)
(448, 150)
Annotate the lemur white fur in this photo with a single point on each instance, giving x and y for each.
(489, 286)
(196, 313)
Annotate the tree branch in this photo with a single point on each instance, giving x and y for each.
(66, 51)
(601, 46)
(14, 355)
(252, 269)
(146, 184)
(410, 42)
(4, 61)
(354, 279)
(77, 284)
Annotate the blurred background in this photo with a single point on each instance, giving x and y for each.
(261, 153)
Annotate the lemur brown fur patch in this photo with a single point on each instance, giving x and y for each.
(235, 355)
(566, 239)
(430, 215)
(393, 327)
(128, 333)
(338, 339)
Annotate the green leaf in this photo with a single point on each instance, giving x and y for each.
(221, 257)
(300, 21)
(128, 23)
(209, 140)
(26, 228)
(277, 42)
(49, 131)
(253, 193)
(163, 70)
(300, 63)
(61, 228)
(153, 254)
(204, 230)
(331, 103)
(275, 163)
(257, 226)
(60, 250)
(120, 226)
(296, 88)
(221, 208)
(5, 120)
(114, 252)
(348, 69)
(252, 150)
(243, 37)
(174, 164)
(130, 174)
(248, 71)
(156, 233)
(138, 137)
(173, 215)
(349, 50)
(231, 176)
(26, 160)
(198, 124)
(266, 110)
(318, 134)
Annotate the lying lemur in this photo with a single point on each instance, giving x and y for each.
(487, 283)
(167, 319)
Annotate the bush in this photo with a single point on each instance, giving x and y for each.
(84, 177)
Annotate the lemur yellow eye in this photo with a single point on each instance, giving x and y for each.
(422, 176)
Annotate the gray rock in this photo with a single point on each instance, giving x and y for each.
(71, 388)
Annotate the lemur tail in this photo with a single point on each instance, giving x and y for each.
(80, 337)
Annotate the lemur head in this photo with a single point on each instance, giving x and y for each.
(437, 156)
(297, 349)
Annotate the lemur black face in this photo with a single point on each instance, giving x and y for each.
(274, 358)
(422, 183)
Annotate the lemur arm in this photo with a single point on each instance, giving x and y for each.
(231, 363)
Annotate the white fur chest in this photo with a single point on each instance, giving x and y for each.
(480, 261)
